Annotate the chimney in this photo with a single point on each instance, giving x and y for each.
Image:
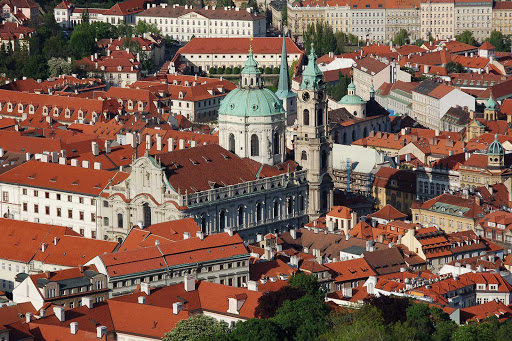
(294, 260)
(27, 156)
(85, 164)
(170, 144)
(193, 144)
(293, 233)
(101, 331)
(176, 308)
(74, 162)
(229, 231)
(158, 142)
(87, 302)
(55, 240)
(200, 235)
(28, 317)
(73, 327)
(44, 246)
(330, 225)
(370, 247)
(60, 313)
(182, 144)
(141, 299)
(190, 283)
(144, 287)
(186, 235)
(259, 237)
(42, 312)
(107, 147)
(252, 285)
(95, 148)
(97, 165)
(63, 161)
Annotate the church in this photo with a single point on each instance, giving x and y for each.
(248, 183)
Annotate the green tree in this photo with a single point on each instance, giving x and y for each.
(55, 47)
(268, 70)
(353, 39)
(85, 16)
(212, 71)
(303, 319)
(236, 70)
(225, 3)
(341, 41)
(197, 327)
(452, 67)
(58, 66)
(322, 36)
(35, 67)
(466, 37)
(357, 325)
(307, 283)
(256, 329)
(270, 302)
(228, 71)
(497, 40)
(395, 307)
(401, 37)
(444, 330)
(144, 27)
(284, 16)
(102, 30)
(275, 71)
(418, 317)
(291, 69)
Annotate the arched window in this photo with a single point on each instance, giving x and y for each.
(119, 240)
(275, 208)
(232, 143)
(275, 144)
(305, 117)
(259, 212)
(147, 214)
(222, 220)
(240, 214)
(302, 203)
(289, 205)
(203, 223)
(325, 161)
(320, 117)
(354, 137)
(120, 220)
(304, 155)
(255, 145)
(323, 200)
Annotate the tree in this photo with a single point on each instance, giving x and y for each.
(418, 317)
(236, 70)
(394, 307)
(197, 327)
(102, 30)
(357, 325)
(144, 27)
(466, 37)
(268, 70)
(401, 37)
(269, 303)
(225, 3)
(291, 70)
(212, 71)
(58, 66)
(452, 67)
(55, 47)
(275, 71)
(497, 40)
(85, 16)
(284, 16)
(307, 283)
(303, 319)
(322, 36)
(228, 71)
(256, 329)
(35, 67)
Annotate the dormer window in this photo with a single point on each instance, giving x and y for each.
(31, 109)
(9, 107)
(119, 68)
(45, 111)
(20, 108)
(130, 104)
(141, 106)
(181, 95)
(102, 68)
(80, 115)
(67, 113)
(55, 112)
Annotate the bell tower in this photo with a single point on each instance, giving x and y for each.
(312, 145)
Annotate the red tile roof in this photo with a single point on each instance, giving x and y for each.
(388, 212)
(350, 270)
(239, 46)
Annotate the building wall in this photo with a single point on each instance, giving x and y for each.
(438, 20)
(448, 222)
(402, 201)
(502, 20)
(300, 17)
(26, 291)
(403, 19)
(475, 17)
(368, 25)
(24, 200)
(431, 182)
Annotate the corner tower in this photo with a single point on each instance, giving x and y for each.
(312, 145)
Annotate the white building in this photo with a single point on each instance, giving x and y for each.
(183, 22)
(52, 193)
(368, 20)
(431, 100)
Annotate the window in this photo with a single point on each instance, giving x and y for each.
(47, 210)
(24, 191)
(70, 198)
(105, 221)
(25, 207)
(81, 215)
(5, 196)
(59, 212)
(82, 232)
(58, 196)
(275, 209)
(47, 195)
(36, 193)
(255, 145)
(93, 217)
(70, 214)
(231, 143)
(93, 234)
(275, 144)
(105, 203)
(120, 220)
(81, 200)
(305, 117)
(36, 208)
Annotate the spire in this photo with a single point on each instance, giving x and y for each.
(283, 89)
(491, 103)
(251, 65)
(312, 76)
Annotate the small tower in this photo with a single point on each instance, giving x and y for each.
(288, 97)
(496, 155)
(491, 109)
(312, 144)
(353, 103)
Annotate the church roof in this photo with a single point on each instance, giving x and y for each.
(251, 102)
(496, 148)
(312, 76)
(283, 89)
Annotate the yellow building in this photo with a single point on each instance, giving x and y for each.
(302, 14)
(394, 187)
(449, 212)
(502, 17)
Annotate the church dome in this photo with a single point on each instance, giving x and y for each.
(496, 148)
(251, 102)
(351, 97)
(490, 104)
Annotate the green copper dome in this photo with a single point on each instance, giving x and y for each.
(496, 148)
(491, 104)
(351, 98)
(251, 65)
(251, 102)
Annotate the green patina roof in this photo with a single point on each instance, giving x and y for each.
(351, 99)
(251, 102)
(283, 89)
(312, 77)
(251, 65)
(496, 148)
(491, 104)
